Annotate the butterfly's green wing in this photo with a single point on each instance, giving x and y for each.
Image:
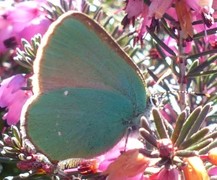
(87, 91)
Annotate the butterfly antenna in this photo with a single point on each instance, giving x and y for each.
(129, 130)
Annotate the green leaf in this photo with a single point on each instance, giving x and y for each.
(187, 126)
(200, 145)
(203, 53)
(194, 138)
(201, 67)
(206, 149)
(205, 73)
(148, 137)
(203, 33)
(159, 122)
(199, 120)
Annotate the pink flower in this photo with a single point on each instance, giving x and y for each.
(37, 25)
(201, 6)
(172, 44)
(166, 174)
(165, 147)
(106, 159)
(5, 33)
(158, 8)
(114, 157)
(185, 11)
(136, 9)
(23, 20)
(128, 166)
(169, 113)
(13, 97)
(211, 39)
(212, 171)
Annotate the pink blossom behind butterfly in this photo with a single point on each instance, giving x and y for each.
(13, 97)
(23, 20)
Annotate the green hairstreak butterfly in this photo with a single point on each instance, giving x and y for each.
(87, 91)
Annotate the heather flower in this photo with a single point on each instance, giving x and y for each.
(167, 174)
(212, 156)
(13, 97)
(195, 169)
(128, 166)
(186, 12)
(212, 171)
(169, 113)
(185, 18)
(23, 20)
(103, 162)
(211, 39)
(134, 9)
(203, 8)
(158, 8)
(106, 159)
(165, 147)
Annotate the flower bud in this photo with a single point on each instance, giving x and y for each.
(212, 155)
(165, 147)
(195, 169)
(168, 174)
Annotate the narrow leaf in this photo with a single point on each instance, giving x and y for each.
(201, 67)
(200, 145)
(208, 147)
(211, 135)
(194, 138)
(167, 29)
(187, 126)
(200, 119)
(148, 137)
(169, 128)
(161, 129)
(186, 153)
(203, 53)
(145, 124)
(202, 34)
(160, 42)
(206, 73)
(179, 123)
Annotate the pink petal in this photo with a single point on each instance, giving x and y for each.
(213, 171)
(37, 25)
(157, 8)
(13, 97)
(14, 110)
(107, 158)
(134, 8)
(23, 12)
(6, 31)
(197, 5)
(9, 87)
(168, 174)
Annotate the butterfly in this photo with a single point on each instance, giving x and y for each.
(87, 91)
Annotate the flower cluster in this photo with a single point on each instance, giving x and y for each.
(23, 20)
(13, 96)
(178, 13)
